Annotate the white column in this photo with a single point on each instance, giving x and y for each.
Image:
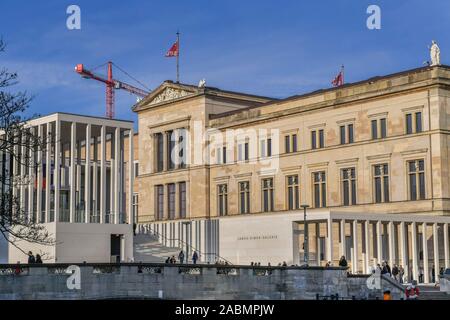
(103, 174)
(31, 177)
(22, 173)
(73, 142)
(355, 247)
(342, 229)
(94, 189)
(391, 236)
(436, 250)
(57, 169)
(379, 243)
(367, 245)
(415, 265)
(48, 164)
(130, 176)
(112, 189)
(426, 272)
(15, 163)
(404, 248)
(446, 253)
(330, 239)
(87, 175)
(39, 175)
(117, 183)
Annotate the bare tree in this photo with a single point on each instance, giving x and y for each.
(19, 143)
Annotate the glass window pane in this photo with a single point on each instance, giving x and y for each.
(386, 189)
(321, 139)
(324, 195)
(350, 133)
(342, 133)
(422, 185)
(316, 196)
(409, 123)
(313, 140)
(383, 127)
(377, 189)
(418, 121)
(353, 191)
(246, 151)
(294, 143)
(345, 192)
(374, 129)
(269, 147)
(412, 187)
(287, 144)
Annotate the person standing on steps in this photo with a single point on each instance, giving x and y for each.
(195, 257)
(181, 256)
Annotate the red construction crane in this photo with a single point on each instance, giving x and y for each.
(111, 85)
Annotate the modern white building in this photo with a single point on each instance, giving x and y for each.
(78, 188)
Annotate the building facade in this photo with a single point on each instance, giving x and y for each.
(76, 186)
(227, 172)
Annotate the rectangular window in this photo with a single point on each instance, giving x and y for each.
(182, 199)
(246, 151)
(381, 183)
(243, 151)
(244, 197)
(413, 122)
(222, 199)
(290, 143)
(159, 202)
(170, 148)
(171, 200)
(319, 189)
(313, 140)
(221, 155)
(321, 139)
(262, 150)
(409, 129)
(224, 154)
(182, 148)
(342, 133)
(348, 182)
(383, 128)
(269, 147)
(416, 175)
(350, 133)
(267, 194)
(293, 198)
(135, 204)
(374, 127)
(159, 152)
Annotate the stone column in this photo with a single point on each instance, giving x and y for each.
(391, 236)
(446, 253)
(426, 273)
(379, 243)
(39, 175)
(330, 239)
(95, 190)
(317, 241)
(343, 244)
(23, 159)
(436, 250)
(415, 262)
(87, 175)
(48, 164)
(367, 245)
(103, 175)
(31, 178)
(130, 176)
(57, 168)
(355, 247)
(112, 190)
(404, 248)
(73, 165)
(117, 181)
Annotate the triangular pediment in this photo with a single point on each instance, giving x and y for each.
(166, 92)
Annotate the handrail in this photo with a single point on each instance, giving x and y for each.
(156, 233)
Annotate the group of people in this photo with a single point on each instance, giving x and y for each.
(181, 258)
(34, 259)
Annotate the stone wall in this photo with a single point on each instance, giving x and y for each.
(162, 281)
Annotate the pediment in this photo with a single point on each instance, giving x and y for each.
(168, 94)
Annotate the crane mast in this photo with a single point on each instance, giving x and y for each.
(111, 85)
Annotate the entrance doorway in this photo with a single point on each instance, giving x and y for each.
(116, 240)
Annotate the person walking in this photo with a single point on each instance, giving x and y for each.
(195, 257)
(181, 256)
(395, 272)
(31, 258)
(401, 274)
(412, 292)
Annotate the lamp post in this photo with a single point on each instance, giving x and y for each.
(187, 224)
(305, 235)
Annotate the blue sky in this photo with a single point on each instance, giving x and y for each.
(271, 48)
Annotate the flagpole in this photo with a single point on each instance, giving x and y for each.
(178, 57)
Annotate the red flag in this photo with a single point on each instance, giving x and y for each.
(173, 51)
(338, 81)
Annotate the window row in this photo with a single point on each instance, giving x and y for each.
(348, 188)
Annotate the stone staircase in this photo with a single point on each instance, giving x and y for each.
(432, 293)
(147, 248)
